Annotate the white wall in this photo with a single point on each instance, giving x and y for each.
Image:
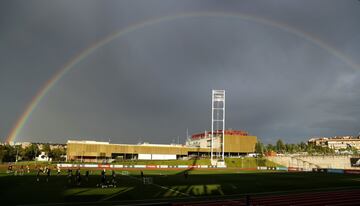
(144, 156)
(163, 157)
(339, 162)
(156, 157)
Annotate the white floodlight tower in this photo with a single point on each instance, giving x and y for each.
(218, 119)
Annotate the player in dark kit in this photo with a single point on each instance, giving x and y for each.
(113, 180)
(38, 175)
(186, 174)
(78, 177)
(87, 175)
(48, 174)
(10, 167)
(103, 178)
(69, 175)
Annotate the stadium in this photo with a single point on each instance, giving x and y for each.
(217, 144)
(214, 167)
(237, 143)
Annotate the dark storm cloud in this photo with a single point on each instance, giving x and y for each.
(154, 83)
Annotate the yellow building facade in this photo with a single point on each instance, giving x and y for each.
(94, 151)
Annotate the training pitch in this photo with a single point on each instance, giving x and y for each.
(163, 185)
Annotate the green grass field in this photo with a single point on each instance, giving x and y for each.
(166, 184)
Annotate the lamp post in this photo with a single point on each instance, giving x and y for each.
(17, 151)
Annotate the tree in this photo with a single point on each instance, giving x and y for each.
(7, 153)
(2, 153)
(259, 148)
(31, 152)
(47, 149)
(280, 147)
(19, 152)
(302, 146)
(289, 148)
(56, 154)
(270, 147)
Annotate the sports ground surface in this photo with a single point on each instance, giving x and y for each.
(168, 186)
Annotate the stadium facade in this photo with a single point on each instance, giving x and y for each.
(236, 143)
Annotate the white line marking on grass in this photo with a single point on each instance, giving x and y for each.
(177, 191)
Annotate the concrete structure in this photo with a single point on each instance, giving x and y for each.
(92, 151)
(309, 162)
(337, 142)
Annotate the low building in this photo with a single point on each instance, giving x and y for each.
(93, 151)
(43, 157)
(337, 142)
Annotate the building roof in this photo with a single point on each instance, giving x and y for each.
(227, 132)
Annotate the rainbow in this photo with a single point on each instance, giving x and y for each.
(92, 48)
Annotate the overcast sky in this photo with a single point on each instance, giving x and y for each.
(155, 82)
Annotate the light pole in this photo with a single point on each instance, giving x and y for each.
(17, 151)
(35, 152)
(218, 121)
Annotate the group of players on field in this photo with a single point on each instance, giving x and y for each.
(71, 177)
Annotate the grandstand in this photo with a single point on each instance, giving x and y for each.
(236, 143)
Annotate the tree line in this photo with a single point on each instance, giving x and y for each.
(282, 148)
(9, 153)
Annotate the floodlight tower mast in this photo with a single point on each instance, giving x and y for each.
(218, 120)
